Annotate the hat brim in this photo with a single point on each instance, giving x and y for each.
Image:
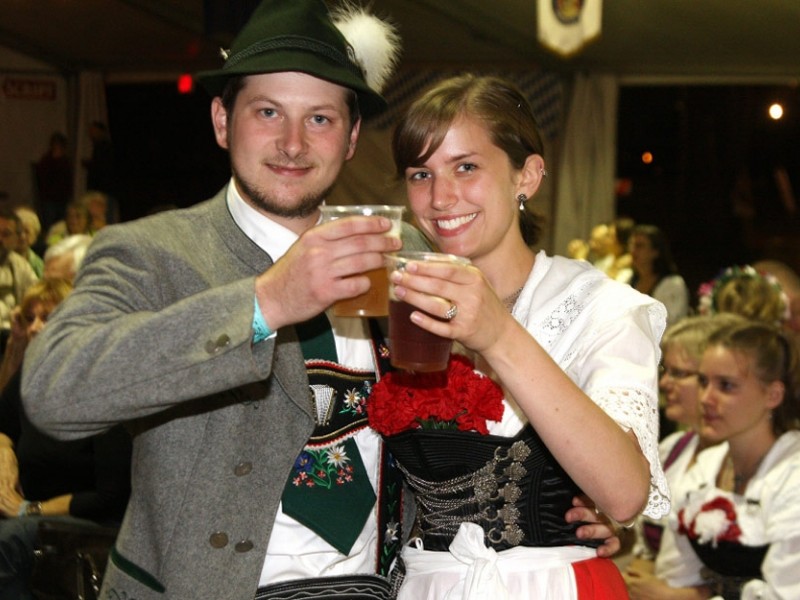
(370, 103)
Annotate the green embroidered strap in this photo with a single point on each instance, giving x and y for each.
(316, 339)
(329, 492)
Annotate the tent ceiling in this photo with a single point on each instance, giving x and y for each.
(710, 40)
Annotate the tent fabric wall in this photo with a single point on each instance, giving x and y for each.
(587, 166)
(33, 105)
(35, 102)
(91, 106)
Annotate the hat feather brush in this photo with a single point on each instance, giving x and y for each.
(376, 43)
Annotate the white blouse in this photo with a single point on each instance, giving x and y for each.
(605, 335)
(767, 513)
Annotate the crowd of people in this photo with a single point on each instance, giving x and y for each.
(186, 365)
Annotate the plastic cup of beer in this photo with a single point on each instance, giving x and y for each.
(413, 348)
(375, 301)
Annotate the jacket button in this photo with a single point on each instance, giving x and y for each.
(218, 539)
(243, 468)
(243, 546)
(213, 347)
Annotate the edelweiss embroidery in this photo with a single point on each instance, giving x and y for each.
(355, 401)
(324, 468)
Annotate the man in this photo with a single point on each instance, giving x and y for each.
(192, 326)
(16, 274)
(100, 168)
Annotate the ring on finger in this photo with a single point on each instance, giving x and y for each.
(451, 312)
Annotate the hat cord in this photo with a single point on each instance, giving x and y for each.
(293, 42)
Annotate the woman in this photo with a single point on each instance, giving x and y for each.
(574, 352)
(76, 221)
(657, 560)
(747, 292)
(741, 514)
(655, 273)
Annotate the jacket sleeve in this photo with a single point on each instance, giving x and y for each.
(150, 325)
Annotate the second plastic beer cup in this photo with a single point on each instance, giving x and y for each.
(413, 348)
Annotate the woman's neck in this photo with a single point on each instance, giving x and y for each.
(646, 281)
(508, 271)
(745, 457)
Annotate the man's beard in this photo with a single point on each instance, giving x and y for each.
(304, 208)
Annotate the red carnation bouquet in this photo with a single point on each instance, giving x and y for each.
(457, 398)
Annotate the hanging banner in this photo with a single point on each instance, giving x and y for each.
(566, 26)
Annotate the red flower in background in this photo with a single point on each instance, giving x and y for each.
(458, 398)
(712, 521)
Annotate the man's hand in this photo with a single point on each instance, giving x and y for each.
(324, 265)
(596, 526)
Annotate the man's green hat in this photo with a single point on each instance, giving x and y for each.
(301, 35)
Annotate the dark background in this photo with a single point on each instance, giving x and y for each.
(711, 185)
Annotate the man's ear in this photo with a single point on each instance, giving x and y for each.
(219, 119)
(351, 149)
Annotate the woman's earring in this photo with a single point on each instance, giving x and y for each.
(544, 172)
(522, 198)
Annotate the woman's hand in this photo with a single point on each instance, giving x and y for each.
(10, 502)
(9, 469)
(434, 287)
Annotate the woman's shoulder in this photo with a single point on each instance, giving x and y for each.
(785, 455)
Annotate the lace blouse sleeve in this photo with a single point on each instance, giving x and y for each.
(617, 368)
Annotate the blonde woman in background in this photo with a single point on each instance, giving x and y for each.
(738, 522)
(657, 561)
(28, 236)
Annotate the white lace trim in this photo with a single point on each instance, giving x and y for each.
(637, 410)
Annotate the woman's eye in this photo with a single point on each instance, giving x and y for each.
(268, 112)
(703, 381)
(468, 167)
(418, 176)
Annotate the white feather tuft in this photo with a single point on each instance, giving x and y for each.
(375, 42)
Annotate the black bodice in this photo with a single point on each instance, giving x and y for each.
(730, 565)
(512, 487)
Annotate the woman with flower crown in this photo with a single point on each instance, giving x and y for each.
(738, 522)
(573, 351)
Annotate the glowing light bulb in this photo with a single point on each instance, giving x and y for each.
(775, 111)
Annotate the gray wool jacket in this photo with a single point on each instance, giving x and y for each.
(158, 335)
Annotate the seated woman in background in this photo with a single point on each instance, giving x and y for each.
(86, 480)
(655, 272)
(657, 561)
(738, 519)
(76, 221)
